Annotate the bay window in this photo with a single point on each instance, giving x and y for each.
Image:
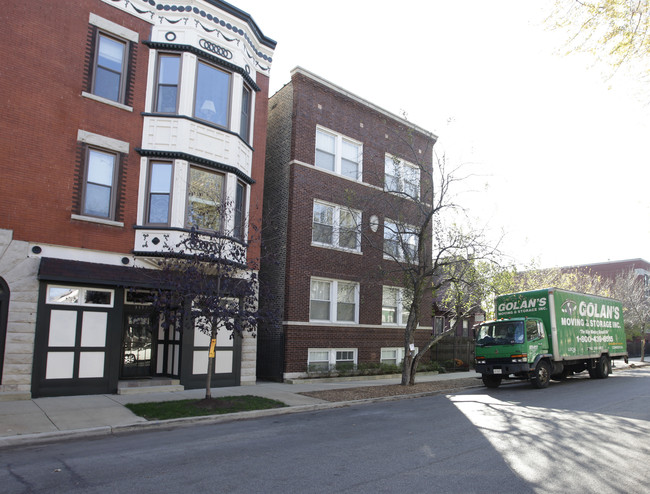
(167, 83)
(204, 199)
(159, 193)
(212, 97)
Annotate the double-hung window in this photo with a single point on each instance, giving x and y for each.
(394, 355)
(167, 83)
(239, 212)
(334, 301)
(395, 306)
(400, 241)
(159, 193)
(338, 154)
(401, 177)
(336, 226)
(204, 199)
(110, 67)
(245, 117)
(212, 97)
(100, 183)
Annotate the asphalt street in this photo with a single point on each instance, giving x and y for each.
(581, 435)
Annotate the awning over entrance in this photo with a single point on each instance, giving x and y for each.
(64, 270)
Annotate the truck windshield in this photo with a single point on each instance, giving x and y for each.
(501, 333)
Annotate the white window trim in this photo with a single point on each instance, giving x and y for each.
(400, 353)
(338, 153)
(408, 230)
(332, 355)
(401, 164)
(400, 306)
(333, 301)
(336, 226)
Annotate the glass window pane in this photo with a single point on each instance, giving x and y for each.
(350, 169)
(97, 201)
(320, 290)
(204, 199)
(161, 177)
(100, 167)
(110, 54)
(244, 125)
(351, 152)
(346, 292)
(169, 69)
(167, 96)
(212, 94)
(319, 310)
(159, 208)
(62, 295)
(324, 160)
(325, 142)
(107, 84)
(97, 297)
(322, 234)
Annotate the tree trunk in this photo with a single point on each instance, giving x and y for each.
(208, 379)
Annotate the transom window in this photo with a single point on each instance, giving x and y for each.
(110, 68)
(99, 186)
(212, 98)
(204, 199)
(401, 177)
(338, 154)
(333, 300)
(400, 241)
(336, 226)
(67, 295)
(395, 305)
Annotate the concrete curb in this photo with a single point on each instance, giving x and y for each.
(56, 436)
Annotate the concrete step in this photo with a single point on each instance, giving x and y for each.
(155, 385)
(15, 396)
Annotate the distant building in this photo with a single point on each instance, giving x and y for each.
(329, 156)
(113, 113)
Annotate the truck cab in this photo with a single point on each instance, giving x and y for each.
(510, 347)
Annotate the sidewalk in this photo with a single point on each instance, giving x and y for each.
(41, 420)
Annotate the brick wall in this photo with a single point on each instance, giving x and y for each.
(48, 47)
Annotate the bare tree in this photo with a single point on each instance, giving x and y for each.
(206, 279)
(631, 290)
(424, 247)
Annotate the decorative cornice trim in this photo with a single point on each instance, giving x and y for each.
(177, 155)
(157, 45)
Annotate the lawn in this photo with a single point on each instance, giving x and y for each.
(195, 408)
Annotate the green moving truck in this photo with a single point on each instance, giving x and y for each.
(547, 334)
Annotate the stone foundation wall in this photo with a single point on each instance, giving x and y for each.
(19, 272)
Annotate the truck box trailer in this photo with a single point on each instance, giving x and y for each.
(546, 334)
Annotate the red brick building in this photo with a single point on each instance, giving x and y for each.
(113, 112)
(336, 215)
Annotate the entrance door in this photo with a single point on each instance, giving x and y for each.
(138, 350)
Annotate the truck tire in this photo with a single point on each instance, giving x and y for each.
(541, 375)
(491, 381)
(604, 367)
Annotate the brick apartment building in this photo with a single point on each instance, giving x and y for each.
(330, 166)
(114, 112)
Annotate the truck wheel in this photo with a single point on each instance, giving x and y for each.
(491, 381)
(541, 375)
(604, 367)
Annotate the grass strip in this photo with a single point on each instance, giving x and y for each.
(164, 410)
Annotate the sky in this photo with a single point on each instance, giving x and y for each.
(556, 151)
